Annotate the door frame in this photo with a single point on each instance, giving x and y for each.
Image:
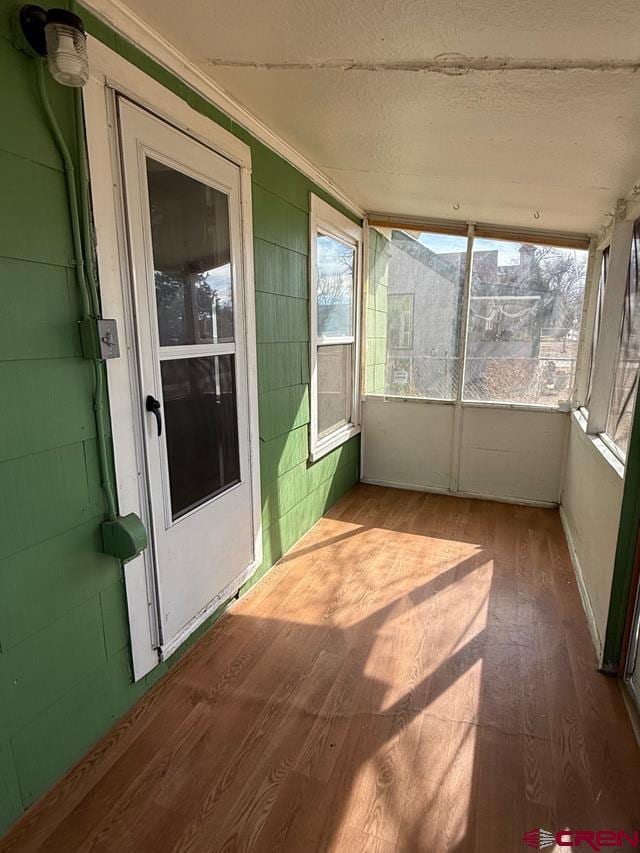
(113, 76)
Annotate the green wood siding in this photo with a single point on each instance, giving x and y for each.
(376, 316)
(64, 656)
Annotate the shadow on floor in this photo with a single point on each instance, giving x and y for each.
(415, 675)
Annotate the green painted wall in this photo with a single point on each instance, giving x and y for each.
(64, 656)
(376, 326)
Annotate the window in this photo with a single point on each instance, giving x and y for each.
(525, 309)
(401, 320)
(414, 307)
(523, 306)
(335, 287)
(602, 283)
(625, 383)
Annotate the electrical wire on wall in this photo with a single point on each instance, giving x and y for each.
(56, 38)
(83, 263)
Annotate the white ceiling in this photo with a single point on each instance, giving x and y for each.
(499, 145)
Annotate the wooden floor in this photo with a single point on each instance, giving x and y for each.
(415, 675)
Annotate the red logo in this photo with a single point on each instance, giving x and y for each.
(539, 838)
(591, 839)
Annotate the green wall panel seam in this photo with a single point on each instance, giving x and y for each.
(266, 240)
(55, 264)
(281, 296)
(49, 448)
(96, 517)
(274, 523)
(33, 160)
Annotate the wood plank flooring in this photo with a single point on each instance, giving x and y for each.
(415, 675)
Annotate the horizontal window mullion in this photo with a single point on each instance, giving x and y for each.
(195, 351)
(329, 342)
(336, 235)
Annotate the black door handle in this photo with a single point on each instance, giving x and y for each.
(153, 406)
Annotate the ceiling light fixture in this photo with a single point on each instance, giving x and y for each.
(58, 35)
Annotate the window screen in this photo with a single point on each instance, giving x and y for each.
(425, 280)
(625, 383)
(525, 308)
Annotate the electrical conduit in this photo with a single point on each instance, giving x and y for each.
(84, 267)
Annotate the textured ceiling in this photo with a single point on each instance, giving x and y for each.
(486, 145)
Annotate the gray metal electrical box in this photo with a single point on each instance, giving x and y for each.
(108, 337)
(99, 338)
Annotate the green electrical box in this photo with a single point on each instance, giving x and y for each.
(125, 537)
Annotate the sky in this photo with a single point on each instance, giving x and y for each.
(508, 253)
(333, 256)
(219, 279)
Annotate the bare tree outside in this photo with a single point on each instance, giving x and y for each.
(525, 311)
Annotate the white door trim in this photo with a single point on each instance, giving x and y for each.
(111, 74)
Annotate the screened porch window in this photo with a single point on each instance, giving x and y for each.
(521, 307)
(525, 310)
(625, 383)
(417, 285)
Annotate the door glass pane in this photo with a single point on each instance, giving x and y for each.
(334, 391)
(191, 258)
(201, 425)
(335, 263)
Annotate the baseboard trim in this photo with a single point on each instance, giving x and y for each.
(582, 587)
(436, 490)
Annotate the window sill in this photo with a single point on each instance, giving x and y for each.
(599, 446)
(330, 442)
(390, 398)
(467, 404)
(518, 407)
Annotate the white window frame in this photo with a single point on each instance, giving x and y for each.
(325, 219)
(606, 355)
(586, 362)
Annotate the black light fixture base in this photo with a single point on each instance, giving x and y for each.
(29, 30)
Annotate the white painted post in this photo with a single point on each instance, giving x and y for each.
(456, 432)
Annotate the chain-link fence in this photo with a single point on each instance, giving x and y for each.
(539, 381)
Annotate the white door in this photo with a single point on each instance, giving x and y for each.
(184, 225)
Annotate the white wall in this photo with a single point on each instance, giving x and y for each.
(510, 454)
(407, 443)
(590, 506)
